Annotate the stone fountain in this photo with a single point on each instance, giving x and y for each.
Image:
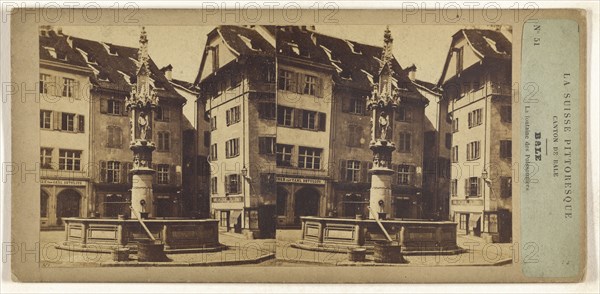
(413, 236)
(109, 234)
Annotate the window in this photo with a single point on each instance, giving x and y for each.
(309, 158)
(454, 187)
(284, 155)
(266, 145)
(287, 81)
(68, 87)
(284, 116)
(354, 136)
(45, 119)
(232, 184)
(68, 122)
(206, 138)
(455, 125)
(44, 204)
(267, 110)
(45, 81)
(213, 152)
(473, 150)
(162, 113)
(464, 221)
(404, 174)
(357, 105)
(353, 170)
(506, 149)
(448, 140)
(114, 107)
(162, 173)
(403, 114)
(269, 74)
(505, 187)
(473, 187)
(309, 120)
(404, 142)
(115, 137)
(232, 148)
(475, 118)
(454, 154)
(45, 157)
(459, 59)
(213, 123)
(215, 58)
(506, 113)
(164, 142)
(311, 84)
(113, 172)
(214, 186)
(69, 159)
(232, 115)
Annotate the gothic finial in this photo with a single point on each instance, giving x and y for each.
(143, 50)
(387, 46)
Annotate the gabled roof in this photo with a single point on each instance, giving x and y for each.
(487, 45)
(243, 40)
(114, 67)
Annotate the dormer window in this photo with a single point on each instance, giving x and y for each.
(294, 48)
(248, 42)
(109, 49)
(51, 51)
(353, 48)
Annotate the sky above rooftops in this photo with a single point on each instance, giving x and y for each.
(181, 46)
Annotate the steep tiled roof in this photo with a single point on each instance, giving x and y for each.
(358, 65)
(245, 40)
(185, 85)
(489, 43)
(114, 67)
(62, 52)
(296, 43)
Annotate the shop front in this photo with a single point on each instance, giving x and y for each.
(61, 198)
(297, 197)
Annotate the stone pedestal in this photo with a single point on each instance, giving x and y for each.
(141, 192)
(380, 199)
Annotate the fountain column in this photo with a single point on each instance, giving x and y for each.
(141, 105)
(383, 103)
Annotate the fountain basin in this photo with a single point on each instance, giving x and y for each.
(106, 235)
(416, 237)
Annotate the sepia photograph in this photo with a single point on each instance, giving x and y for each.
(275, 145)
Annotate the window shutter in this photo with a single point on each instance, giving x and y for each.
(81, 123)
(173, 175)
(479, 186)
(345, 104)
(75, 90)
(122, 108)
(297, 117)
(239, 183)
(395, 174)
(369, 167)
(466, 187)
(102, 171)
(342, 170)
(128, 174)
(55, 115)
(299, 83)
(228, 117)
(364, 168)
(123, 172)
(226, 183)
(319, 88)
(407, 114)
(103, 105)
(261, 145)
(412, 180)
(322, 121)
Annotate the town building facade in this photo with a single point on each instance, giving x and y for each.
(103, 74)
(64, 135)
(476, 83)
(299, 114)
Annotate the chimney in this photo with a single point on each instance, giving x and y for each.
(168, 71)
(44, 30)
(412, 72)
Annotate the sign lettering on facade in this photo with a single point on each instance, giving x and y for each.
(301, 181)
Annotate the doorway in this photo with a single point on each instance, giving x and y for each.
(68, 204)
(306, 203)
